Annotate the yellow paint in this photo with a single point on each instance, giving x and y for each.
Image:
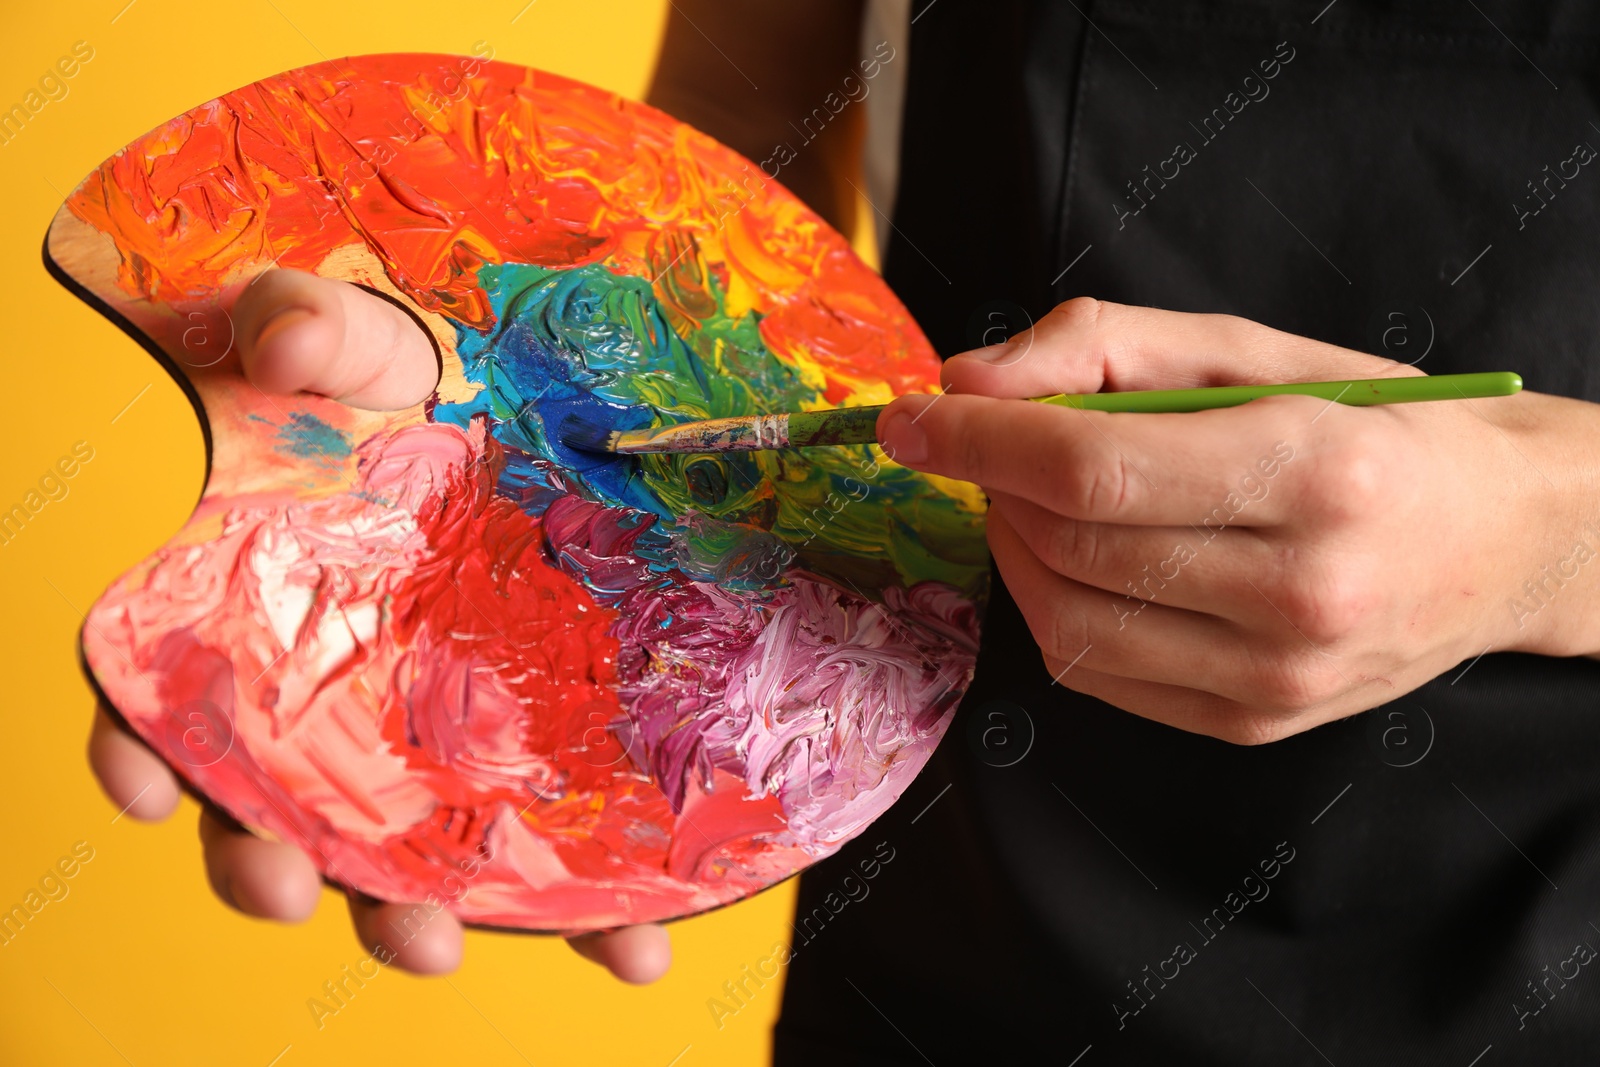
(138, 945)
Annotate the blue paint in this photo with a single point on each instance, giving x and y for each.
(553, 355)
(305, 436)
(584, 342)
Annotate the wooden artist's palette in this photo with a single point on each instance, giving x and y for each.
(445, 655)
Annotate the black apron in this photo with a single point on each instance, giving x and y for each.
(1418, 884)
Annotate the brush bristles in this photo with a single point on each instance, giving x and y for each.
(579, 433)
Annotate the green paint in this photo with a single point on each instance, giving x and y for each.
(742, 519)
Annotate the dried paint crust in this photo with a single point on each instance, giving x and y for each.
(444, 654)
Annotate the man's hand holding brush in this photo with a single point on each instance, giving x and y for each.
(1254, 571)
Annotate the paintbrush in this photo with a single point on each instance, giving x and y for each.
(858, 426)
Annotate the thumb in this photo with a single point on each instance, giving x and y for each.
(299, 331)
(1089, 346)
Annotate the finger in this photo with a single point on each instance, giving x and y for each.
(1120, 635)
(133, 777)
(1233, 721)
(299, 331)
(1086, 346)
(412, 937)
(1192, 567)
(1151, 470)
(636, 954)
(266, 879)
(1177, 706)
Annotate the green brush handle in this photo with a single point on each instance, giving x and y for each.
(1359, 392)
(855, 426)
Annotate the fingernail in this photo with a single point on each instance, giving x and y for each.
(279, 320)
(903, 440)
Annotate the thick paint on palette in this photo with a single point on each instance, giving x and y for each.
(440, 650)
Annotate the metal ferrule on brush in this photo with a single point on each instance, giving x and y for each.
(748, 434)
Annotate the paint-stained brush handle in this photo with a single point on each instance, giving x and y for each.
(858, 426)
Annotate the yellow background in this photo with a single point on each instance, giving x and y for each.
(139, 963)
